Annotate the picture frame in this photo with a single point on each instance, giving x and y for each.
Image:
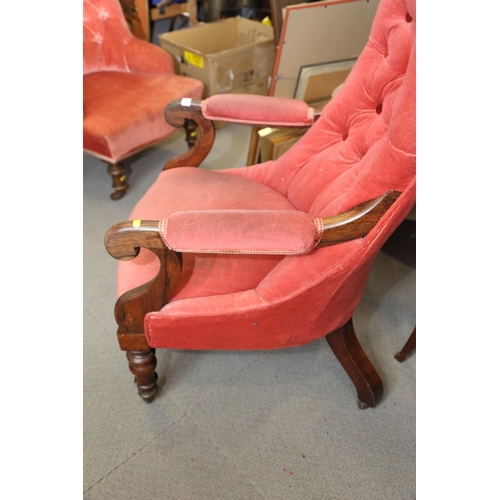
(317, 82)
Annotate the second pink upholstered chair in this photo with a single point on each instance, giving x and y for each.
(127, 83)
(277, 254)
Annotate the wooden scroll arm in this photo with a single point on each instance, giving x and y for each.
(123, 241)
(176, 113)
(357, 222)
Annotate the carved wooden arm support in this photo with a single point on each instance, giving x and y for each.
(176, 114)
(247, 109)
(123, 241)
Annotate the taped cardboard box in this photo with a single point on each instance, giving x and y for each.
(233, 55)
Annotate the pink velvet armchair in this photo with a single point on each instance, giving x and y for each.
(276, 254)
(127, 83)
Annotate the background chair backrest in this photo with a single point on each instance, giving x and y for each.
(105, 33)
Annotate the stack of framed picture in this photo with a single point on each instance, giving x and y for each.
(318, 46)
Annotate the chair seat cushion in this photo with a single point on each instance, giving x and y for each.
(134, 118)
(190, 188)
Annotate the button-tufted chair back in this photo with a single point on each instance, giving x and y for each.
(104, 27)
(364, 143)
(108, 44)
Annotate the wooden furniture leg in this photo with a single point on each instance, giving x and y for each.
(349, 352)
(119, 179)
(190, 128)
(124, 241)
(142, 364)
(408, 348)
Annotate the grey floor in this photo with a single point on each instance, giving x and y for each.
(241, 425)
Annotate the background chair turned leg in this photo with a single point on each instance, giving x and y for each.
(190, 128)
(349, 352)
(408, 348)
(142, 364)
(119, 179)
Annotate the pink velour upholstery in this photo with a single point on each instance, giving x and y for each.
(258, 110)
(127, 83)
(287, 232)
(362, 146)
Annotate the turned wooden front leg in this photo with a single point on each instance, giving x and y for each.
(142, 364)
(124, 241)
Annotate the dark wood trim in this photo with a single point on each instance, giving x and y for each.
(348, 350)
(176, 115)
(357, 222)
(123, 241)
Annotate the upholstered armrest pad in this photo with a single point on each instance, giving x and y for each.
(252, 109)
(282, 232)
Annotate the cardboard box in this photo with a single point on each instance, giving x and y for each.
(233, 55)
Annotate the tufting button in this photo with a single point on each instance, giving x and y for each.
(378, 109)
(344, 136)
(408, 18)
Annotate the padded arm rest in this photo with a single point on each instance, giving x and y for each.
(258, 110)
(283, 232)
(245, 231)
